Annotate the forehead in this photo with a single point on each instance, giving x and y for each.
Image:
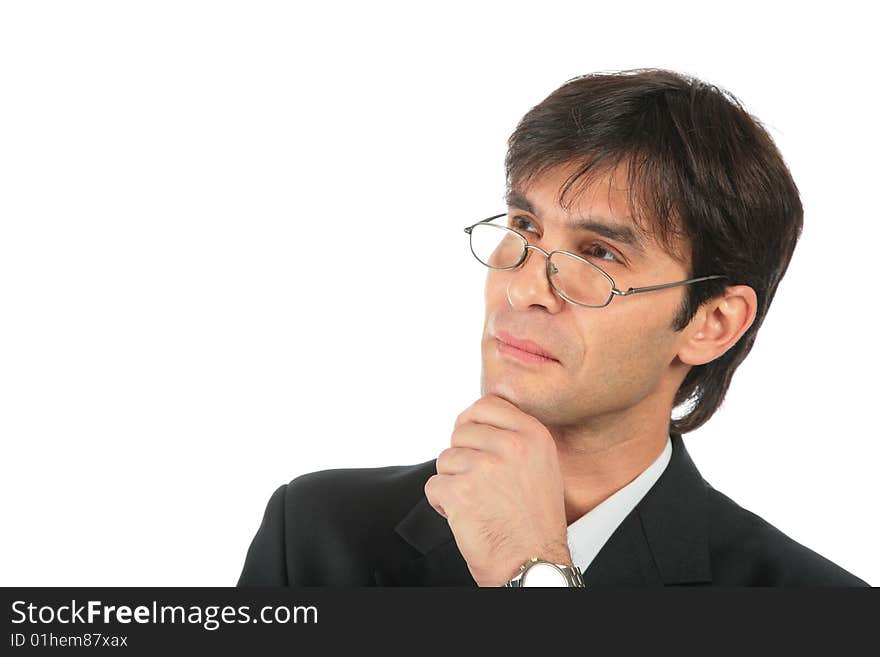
(600, 203)
(600, 207)
(579, 221)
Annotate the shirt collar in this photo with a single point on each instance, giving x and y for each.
(588, 534)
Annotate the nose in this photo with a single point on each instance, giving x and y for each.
(529, 285)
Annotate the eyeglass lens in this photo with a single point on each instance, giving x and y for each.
(499, 248)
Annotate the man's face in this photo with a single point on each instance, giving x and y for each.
(616, 361)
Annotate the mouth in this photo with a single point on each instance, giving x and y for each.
(522, 356)
(522, 350)
(522, 344)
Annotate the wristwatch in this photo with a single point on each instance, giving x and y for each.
(538, 572)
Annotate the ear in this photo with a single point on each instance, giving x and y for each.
(718, 324)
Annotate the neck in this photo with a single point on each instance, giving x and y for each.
(597, 461)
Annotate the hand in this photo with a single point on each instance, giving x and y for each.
(500, 488)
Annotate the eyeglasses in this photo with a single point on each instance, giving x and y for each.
(573, 277)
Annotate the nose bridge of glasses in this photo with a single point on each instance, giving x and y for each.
(548, 263)
(536, 248)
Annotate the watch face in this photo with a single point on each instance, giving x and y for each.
(544, 574)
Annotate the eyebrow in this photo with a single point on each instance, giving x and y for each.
(618, 232)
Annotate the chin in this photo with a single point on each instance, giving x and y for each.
(522, 399)
(503, 390)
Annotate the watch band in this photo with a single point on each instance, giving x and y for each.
(572, 574)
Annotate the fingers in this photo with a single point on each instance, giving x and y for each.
(497, 412)
(488, 433)
(458, 460)
(484, 438)
(436, 489)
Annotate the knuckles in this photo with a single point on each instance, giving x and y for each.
(443, 459)
(461, 489)
(462, 459)
(461, 418)
(431, 489)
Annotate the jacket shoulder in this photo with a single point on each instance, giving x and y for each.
(330, 526)
(350, 492)
(746, 550)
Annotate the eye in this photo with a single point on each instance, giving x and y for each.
(518, 222)
(592, 249)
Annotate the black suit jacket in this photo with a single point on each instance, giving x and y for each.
(374, 526)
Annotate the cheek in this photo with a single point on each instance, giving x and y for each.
(495, 291)
(619, 340)
(645, 350)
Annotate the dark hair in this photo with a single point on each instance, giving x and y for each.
(701, 173)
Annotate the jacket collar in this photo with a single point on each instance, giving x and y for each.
(662, 541)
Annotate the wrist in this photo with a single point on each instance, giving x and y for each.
(558, 554)
(539, 572)
(554, 553)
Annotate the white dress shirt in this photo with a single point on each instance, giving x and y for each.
(588, 534)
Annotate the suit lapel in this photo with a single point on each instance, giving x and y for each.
(675, 520)
(625, 559)
(440, 563)
(662, 541)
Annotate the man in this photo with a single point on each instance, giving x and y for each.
(570, 470)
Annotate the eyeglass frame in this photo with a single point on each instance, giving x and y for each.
(614, 290)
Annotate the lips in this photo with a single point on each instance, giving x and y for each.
(525, 345)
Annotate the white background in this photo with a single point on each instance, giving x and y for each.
(206, 288)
